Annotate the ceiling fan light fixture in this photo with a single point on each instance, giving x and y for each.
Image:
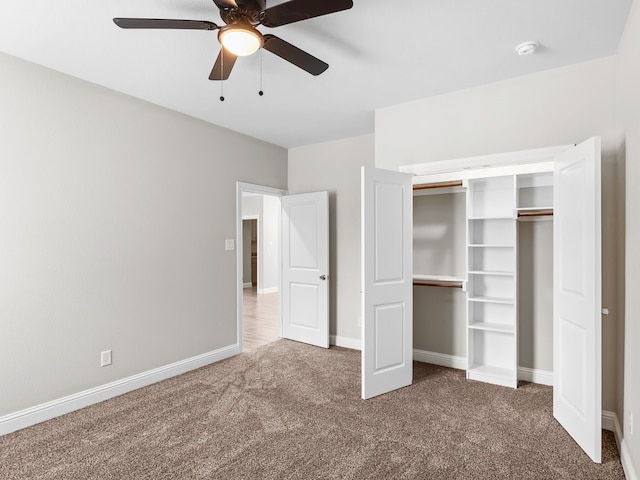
(241, 40)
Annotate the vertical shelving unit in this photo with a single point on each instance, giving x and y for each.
(492, 326)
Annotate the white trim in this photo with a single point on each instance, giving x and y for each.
(609, 420)
(532, 375)
(522, 157)
(441, 359)
(242, 187)
(346, 342)
(627, 465)
(46, 411)
(466, 174)
(526, 374)
(263, 291)
(247, 285)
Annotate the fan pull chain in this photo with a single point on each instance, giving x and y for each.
(261, 93)
(222, 76)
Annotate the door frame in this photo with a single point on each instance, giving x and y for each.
(241, 188)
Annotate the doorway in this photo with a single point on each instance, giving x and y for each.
(258, 258)
(260, 312)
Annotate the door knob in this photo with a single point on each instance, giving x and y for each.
(323, 277)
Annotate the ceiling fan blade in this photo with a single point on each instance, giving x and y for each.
(160, 23)
(225, 4)
(297, 10)
(294, 55)
(225, 61)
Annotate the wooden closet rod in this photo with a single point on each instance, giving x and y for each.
(438, 185)
(437, 284)
(539, 213)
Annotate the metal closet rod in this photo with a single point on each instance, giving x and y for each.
(438, 185)
(538, 213)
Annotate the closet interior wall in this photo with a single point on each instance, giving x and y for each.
(439, 318)
(535, 287)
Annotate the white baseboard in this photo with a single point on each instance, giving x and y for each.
(610, 422)
(247, 285)
(526, 374)
(441, 359)
(627, 465)
(542, 377)
(262, 291)
(346, 342)
(46, 411)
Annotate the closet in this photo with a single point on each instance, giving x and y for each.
(465, 237)
(453, 274)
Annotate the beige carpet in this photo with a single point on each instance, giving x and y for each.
(288, 410)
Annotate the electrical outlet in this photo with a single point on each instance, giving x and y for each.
(105, 358)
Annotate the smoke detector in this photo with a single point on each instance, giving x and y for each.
(527, 48)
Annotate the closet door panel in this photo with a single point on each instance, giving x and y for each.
(577, 392)
(387, 281)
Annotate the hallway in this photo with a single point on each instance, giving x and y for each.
(259, 318)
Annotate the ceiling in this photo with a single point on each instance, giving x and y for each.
(380, 53)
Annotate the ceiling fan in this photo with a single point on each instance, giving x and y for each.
(240, 37)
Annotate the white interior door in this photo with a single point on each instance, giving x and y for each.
(305, 268)
(577, 360)
(387, 281)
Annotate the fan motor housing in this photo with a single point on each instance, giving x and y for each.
(247, 11)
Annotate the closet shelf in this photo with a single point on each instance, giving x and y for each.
(503, 301)
(489, 272)
(492, 327)
(533, 209)
(499, 217)
(489, 245)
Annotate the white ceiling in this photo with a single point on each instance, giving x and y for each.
(380, 53)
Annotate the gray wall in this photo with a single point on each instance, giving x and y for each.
(114, 214)
(628, 102)
(535, 295)
(554, 107)
(335, 167)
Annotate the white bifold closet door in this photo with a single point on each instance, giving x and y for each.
(577, 330)
(387, 281)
